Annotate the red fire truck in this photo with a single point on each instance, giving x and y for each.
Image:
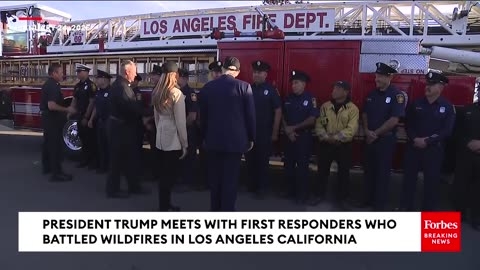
(330, 41)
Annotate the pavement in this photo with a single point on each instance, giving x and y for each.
(24, 188)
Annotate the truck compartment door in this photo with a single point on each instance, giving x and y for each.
(325, 62)
(247, 52)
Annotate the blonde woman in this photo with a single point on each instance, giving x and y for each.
(171, 138)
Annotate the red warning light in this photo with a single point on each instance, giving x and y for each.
(30, 18)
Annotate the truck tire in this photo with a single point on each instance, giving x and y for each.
(71, 141)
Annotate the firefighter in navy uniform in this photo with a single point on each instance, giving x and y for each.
(53, 120)
(467, 171)
(215, 71)
(228, 123)
(124, 112)
(83, 102)
(429, 122)
(191, 107)
(383, 109)
(268, 118)
(300, 112)
(99, 118)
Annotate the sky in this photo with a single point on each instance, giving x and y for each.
(82, 10)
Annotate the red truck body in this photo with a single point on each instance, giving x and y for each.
(329, 61)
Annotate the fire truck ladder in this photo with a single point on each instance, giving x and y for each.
(445, 23)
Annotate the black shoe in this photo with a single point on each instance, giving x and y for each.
(118, 195)
(201, 187)
(101, 171)
(362, 205)
(92, 167)
(140, 191)
(287, 195)
(82, 164)
(340, 206)
(301, 202)
(173, 208)
(476, 226)
(60, 178)
(67, 176)
(182, 188)
(316, 201)
(243, 189)
(463, 217)
(260, 195)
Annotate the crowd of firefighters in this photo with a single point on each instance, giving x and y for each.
(229, 118)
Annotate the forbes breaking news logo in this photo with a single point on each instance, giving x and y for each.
(441, 232)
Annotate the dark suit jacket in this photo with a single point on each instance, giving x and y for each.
(227, 110)
(123, 103)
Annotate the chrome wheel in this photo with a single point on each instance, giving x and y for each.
(70, 136)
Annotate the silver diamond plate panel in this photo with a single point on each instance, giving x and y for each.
(397, 46)
(409, 64)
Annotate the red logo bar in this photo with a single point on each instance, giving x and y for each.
(30, 18)
(441, 232)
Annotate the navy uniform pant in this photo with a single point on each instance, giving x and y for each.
(189, 161)
(297, 158)
(428, 160)
(140, 136)
(467, 184)
(342, 154)
(52, 154)
(223, 174)
(102, 143)
(257, 163)
(203, 161)
(379, 155)
(122, 156)
(152, 138)
(88, 137)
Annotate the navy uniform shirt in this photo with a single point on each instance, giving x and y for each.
(199, 100)
(382, 105)
(227, 115)
(191, 104)
(51, 91)
(83, 92)
(434, 121)
(298, 108)
(101, 103)
(123, 104)
(469, 126)
(266, 101)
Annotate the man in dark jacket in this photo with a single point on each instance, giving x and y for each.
(228, 123)
(124, 114)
